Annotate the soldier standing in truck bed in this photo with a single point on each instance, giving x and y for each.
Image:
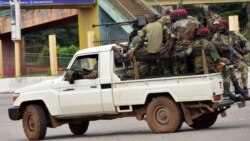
(195, 50)
(153, 32)
(183, 31)
(213, 19)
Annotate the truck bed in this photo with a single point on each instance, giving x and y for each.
(181, 88)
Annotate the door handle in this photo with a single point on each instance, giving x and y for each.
(93, 86)
(72, 89)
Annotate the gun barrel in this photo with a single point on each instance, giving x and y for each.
(112, 24)
(180, 4)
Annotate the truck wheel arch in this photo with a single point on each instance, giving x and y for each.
(151, 96)
(38, 102)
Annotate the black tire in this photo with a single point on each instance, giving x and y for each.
(204, 122)
(34, 122)
(164, 115)
(79, 129)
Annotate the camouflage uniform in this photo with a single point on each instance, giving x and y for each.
(153, 32)
(166, 64)
(183, 30)
(93, 74)
(69, 76)
(195, 48)
(232, 39)
(136, 40)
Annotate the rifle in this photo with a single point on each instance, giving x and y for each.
(180, 4)
(204, 62)
(241, 50)
(205, 17)
(140, 22)
(137, 24)
(222, 48)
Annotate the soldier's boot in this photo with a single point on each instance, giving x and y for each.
(231, 95)
(246, 89)
(227, 91)
(239, 90)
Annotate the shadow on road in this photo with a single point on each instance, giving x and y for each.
(98, 135)
(146, 133)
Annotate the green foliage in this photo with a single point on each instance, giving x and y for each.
(37, 74)
(67, 50)
(224, 10)
(66, 36)
(61, 51)
(45, 51)
(239, 9)
(64, 55)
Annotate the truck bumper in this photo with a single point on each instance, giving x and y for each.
(223, 104)
(14, 113)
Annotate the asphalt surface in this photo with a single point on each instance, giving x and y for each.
(234, 127)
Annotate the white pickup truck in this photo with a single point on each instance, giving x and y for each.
(164, 102)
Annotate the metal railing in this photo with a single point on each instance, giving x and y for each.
(113, 40)
(36, 48)
(150, 8)
(123, 10)
(36, 63)
(39, 63)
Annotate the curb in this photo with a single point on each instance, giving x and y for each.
(7, 92)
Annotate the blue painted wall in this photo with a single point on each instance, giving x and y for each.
(112, 32)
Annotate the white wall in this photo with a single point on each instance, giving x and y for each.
(8, 85)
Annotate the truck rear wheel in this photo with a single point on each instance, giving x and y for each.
(204, 122)
(164, 115)
(34, 122)
(79, 129)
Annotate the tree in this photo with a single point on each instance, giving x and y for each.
(66, 36)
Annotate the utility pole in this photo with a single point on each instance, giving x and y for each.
(1, 59)
(16, 32)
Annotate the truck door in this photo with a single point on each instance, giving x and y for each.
(84, 95)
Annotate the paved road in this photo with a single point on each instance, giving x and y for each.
(235, 127)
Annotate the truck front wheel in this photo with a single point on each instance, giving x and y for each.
(79, 129)
(34, 122)
(164, 115)
(204, 122)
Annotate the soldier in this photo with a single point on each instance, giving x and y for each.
(93, 74)
(151, 17)
(195, 49)
(72, 75)
(214, 62)
(182, 33)
(213, 19)
(210, 19)
(166, 63)
(232, 39)
(153, 32)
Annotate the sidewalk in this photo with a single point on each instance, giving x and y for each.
(9, 85)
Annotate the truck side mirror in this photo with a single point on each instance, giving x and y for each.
(69, 76)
